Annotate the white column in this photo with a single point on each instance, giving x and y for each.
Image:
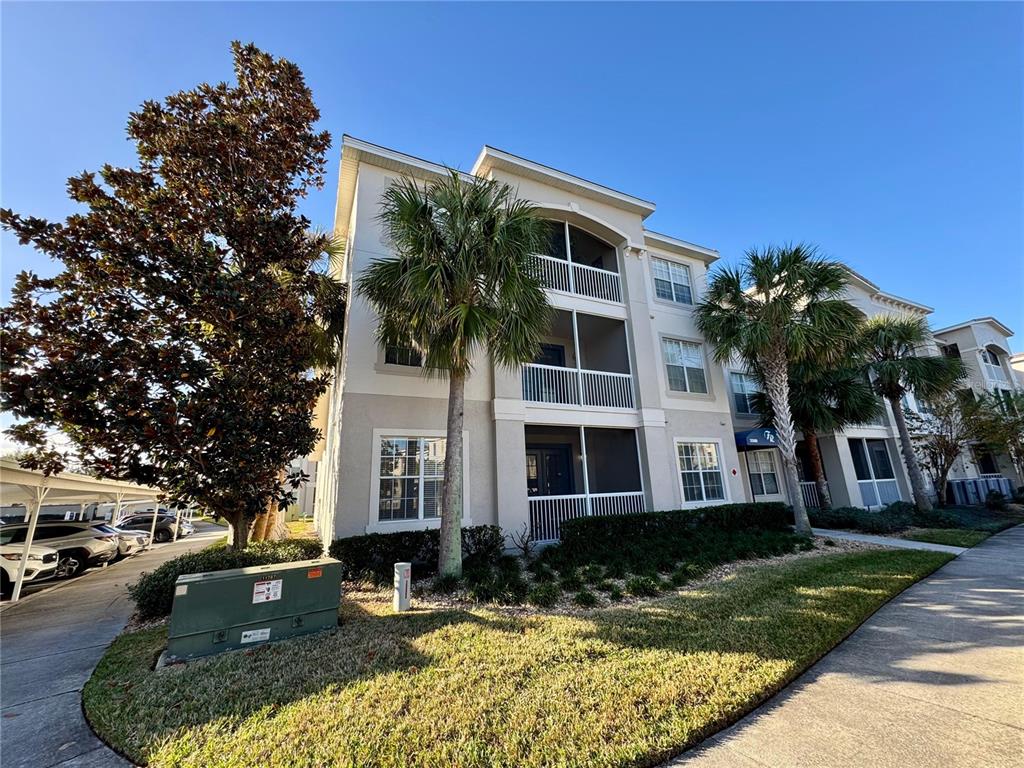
(152, 527)
(586, 474)
(578, 354)
(38, 494)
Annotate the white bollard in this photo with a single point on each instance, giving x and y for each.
(403, 579)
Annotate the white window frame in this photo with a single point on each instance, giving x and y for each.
(747, 395)
(374, 524)
(684, 504)
(686, 283)
(770, 453)
(703, 364)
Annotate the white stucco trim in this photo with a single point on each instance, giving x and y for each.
(726, 473)
(373, 525)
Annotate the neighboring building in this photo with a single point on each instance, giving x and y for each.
(983, 344)
(863, 464)
(622, 410)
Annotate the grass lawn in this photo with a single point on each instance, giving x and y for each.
(956, 537)
(301, 529)
(621, 686)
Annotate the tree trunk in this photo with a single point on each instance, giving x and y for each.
(824, 499)
(776, 372)
(450, 560)
(259, 526)
(239, 530)
(921, 500)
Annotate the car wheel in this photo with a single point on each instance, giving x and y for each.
(69, 563)
(162, 535)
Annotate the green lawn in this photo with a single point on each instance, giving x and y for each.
(614, 687)
(956, 537)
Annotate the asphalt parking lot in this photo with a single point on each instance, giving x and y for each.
(50, 641)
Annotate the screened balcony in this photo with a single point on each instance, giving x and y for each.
(578, 263)
(577, 472)
(584, 361)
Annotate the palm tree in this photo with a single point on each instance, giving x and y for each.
(823, 398)
(783, 305)
(465, 280)
(896, 351)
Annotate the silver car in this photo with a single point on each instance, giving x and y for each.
(128, 542)
(78, 545)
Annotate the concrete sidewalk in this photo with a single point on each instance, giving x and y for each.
(935, 679)
(888, 541)
(49, 644)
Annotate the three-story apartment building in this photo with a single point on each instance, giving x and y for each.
(621, 411)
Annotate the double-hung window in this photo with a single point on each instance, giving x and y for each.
(403, 356)
(743, 390)
(684, 365)
(764, 481)
(672, 281)
(411, 474)
(700, 472)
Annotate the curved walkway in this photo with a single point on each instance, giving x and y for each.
(50, 642)
(933, 679)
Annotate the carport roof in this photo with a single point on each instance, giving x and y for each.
(20, 486)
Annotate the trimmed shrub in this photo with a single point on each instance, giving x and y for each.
(153, 593)
(615, 594)
(544, 595)
(373, 556)
(642, 586)
(585, 599)
(995, 500)
(592, 573)
(570, 581)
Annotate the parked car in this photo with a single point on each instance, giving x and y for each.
(128, 542)
(78, 545)
(164, 530)
(42, 563)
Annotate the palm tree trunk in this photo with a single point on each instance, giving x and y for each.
(776, 373)
(924, 504)
(811, 438)
(450, 560)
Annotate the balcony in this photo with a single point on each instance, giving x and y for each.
(580, 264)
(578, 472)
(584, 362)
(579, 279)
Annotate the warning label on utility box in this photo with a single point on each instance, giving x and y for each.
(266, 591)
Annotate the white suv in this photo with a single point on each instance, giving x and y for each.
(79, 545)
(42, 563)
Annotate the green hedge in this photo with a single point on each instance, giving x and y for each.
(153, 593)
(898, 516)
(657, 541)
(598, 539)
(373, 556)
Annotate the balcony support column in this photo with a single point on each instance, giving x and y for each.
(576, 349)
(586, 474)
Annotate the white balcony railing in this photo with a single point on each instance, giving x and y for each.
(572, 386)
(809, 492)
(878, 493)
(567, 277)
(547, 513)
(995, 373)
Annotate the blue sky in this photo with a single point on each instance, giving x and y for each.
(889, 134)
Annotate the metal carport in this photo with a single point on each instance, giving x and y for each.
(32, 488)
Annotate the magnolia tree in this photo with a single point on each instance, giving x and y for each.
(174, 346)
(940, 435)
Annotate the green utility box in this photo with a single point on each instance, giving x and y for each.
(224, 610)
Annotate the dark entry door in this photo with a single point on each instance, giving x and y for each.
(549, 470)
